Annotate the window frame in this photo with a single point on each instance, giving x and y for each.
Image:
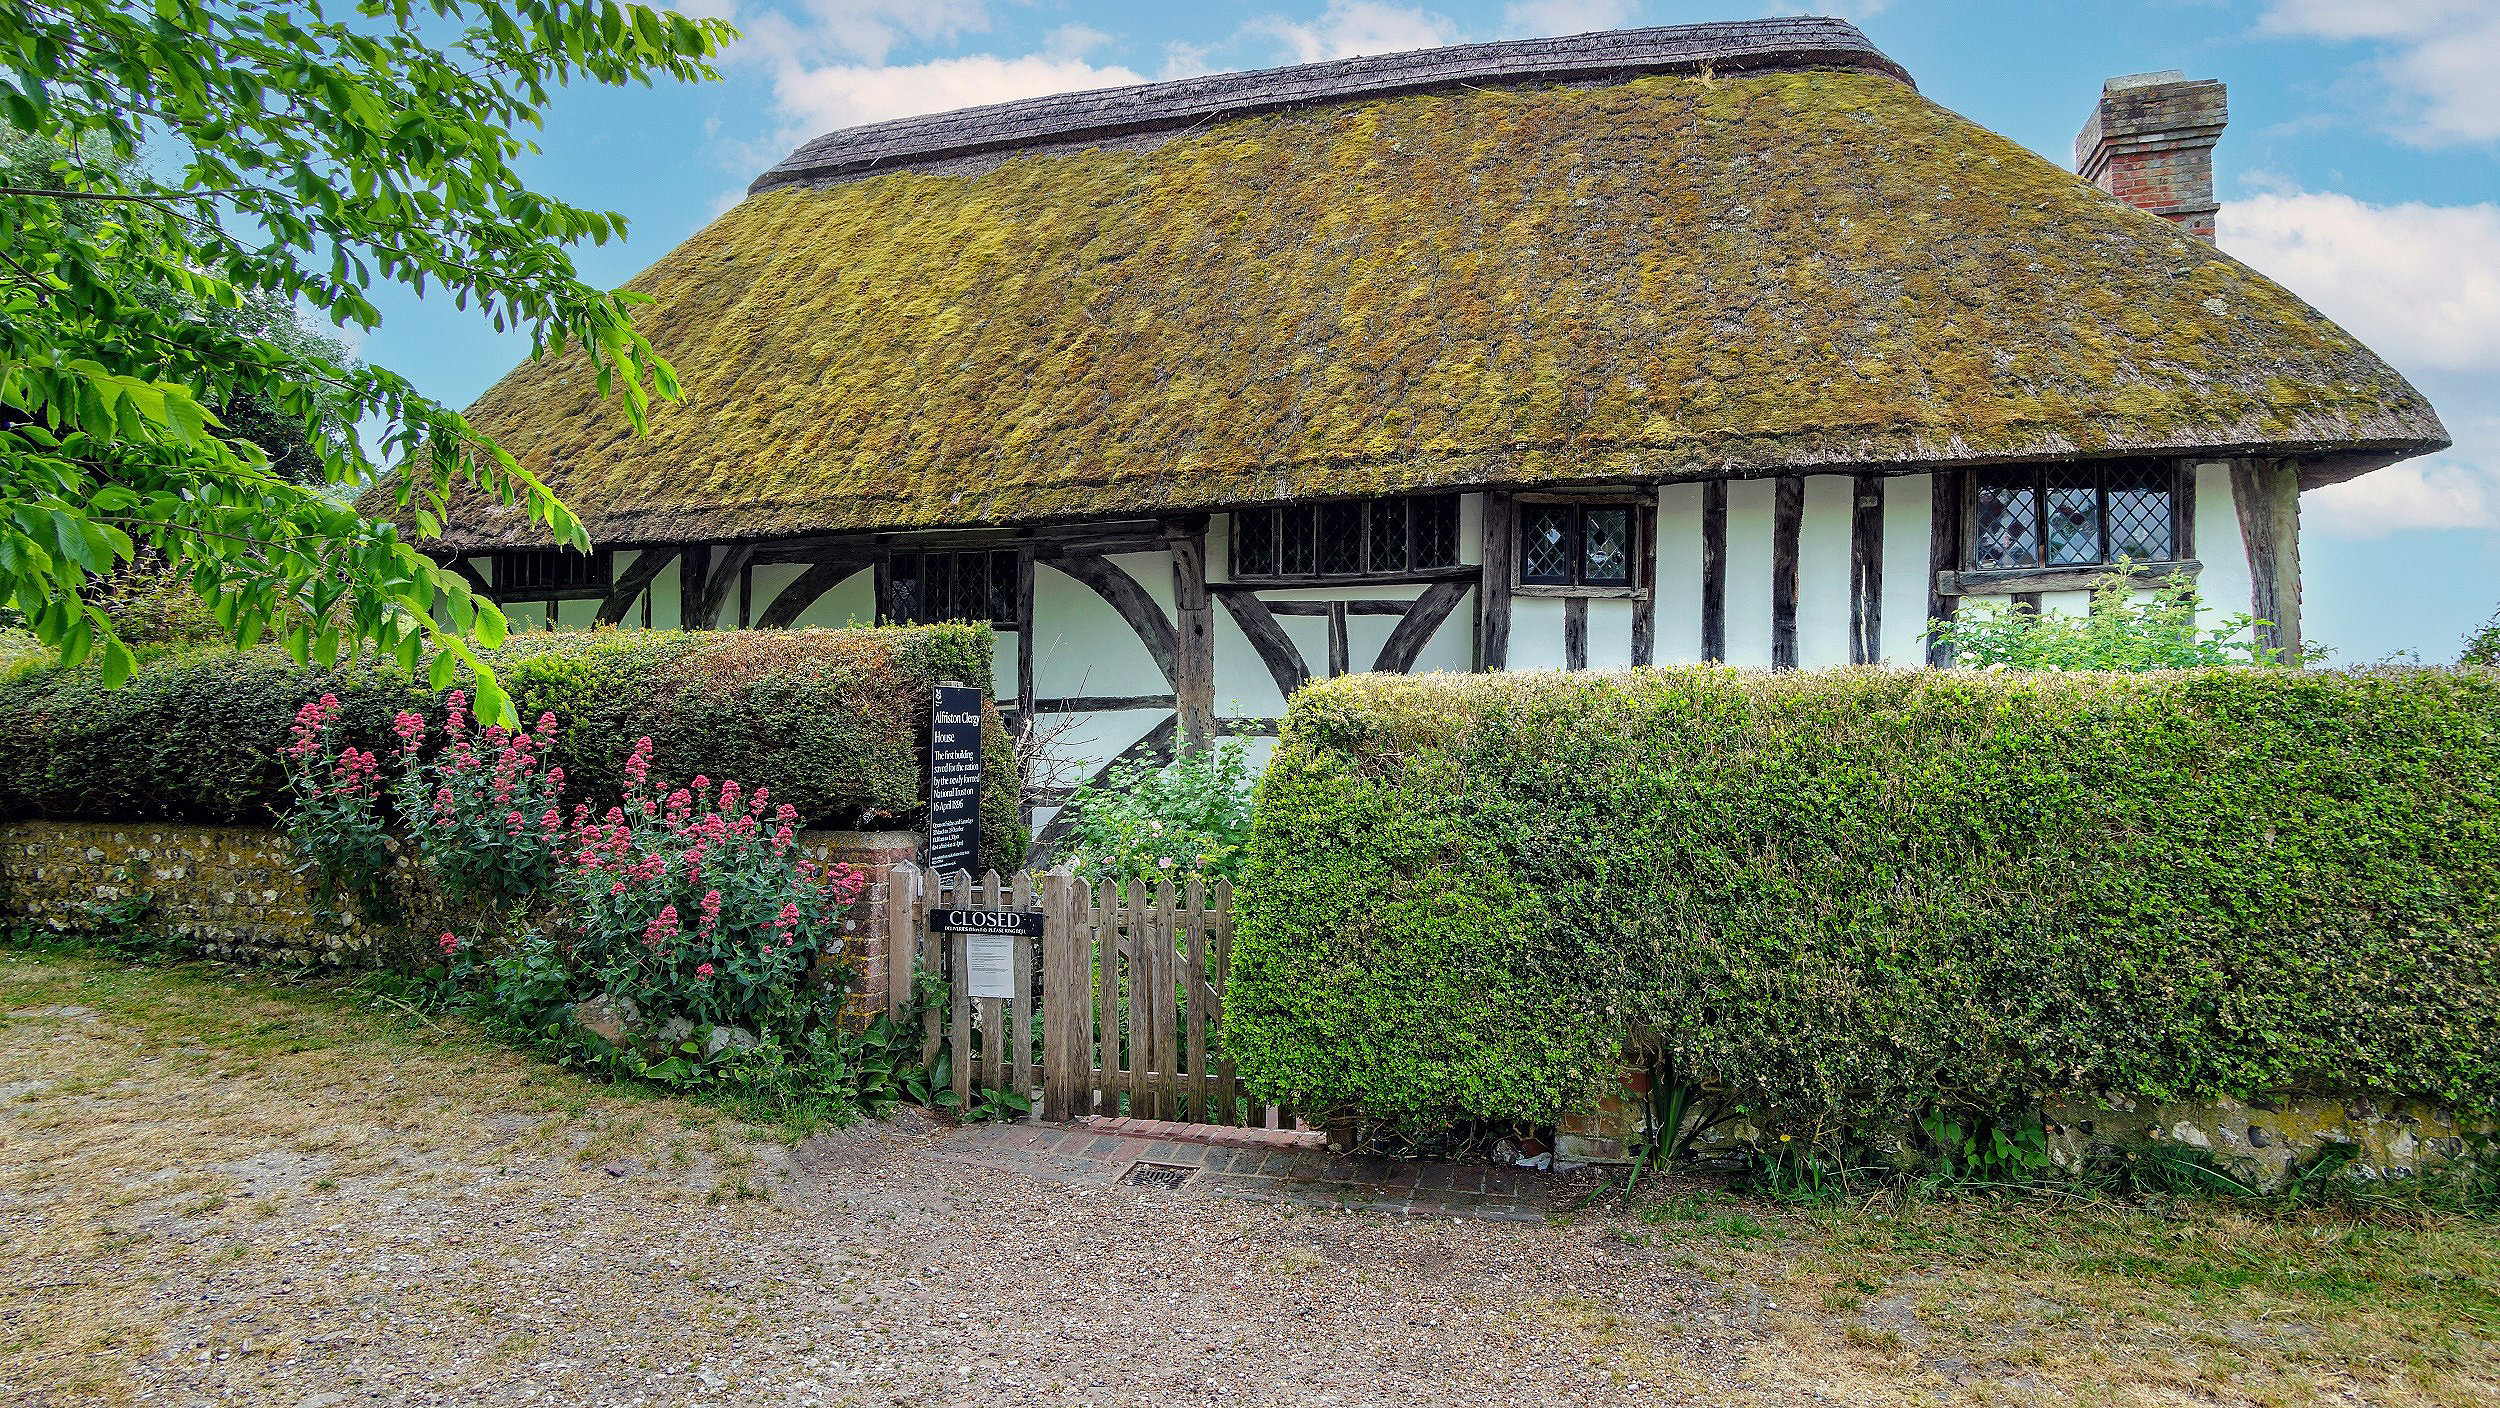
(2177, 478)
(1008, 559)
(595, 579)
(1638, 514)
(1281, 534)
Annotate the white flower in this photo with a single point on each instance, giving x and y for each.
(1166, 862)
(1155, 826)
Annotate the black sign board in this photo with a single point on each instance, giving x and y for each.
(955, 780)
(1025, 922)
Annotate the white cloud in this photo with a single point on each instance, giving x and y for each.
(2439, 57)
(1350, 27)
(2444, 491)
(1541, 17)
(844, 95)
(2419, 283)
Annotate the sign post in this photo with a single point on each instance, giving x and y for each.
(955, 781)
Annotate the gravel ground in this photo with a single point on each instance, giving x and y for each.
(214, 1190)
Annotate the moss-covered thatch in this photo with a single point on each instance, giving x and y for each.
(1672, 276)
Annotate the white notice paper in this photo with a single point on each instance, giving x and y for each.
(990, 965)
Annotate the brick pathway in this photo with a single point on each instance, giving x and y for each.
(1272, 1170)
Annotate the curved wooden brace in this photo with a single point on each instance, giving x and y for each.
(648, 565)
(805, 589)
(1116, 586)
(704, 610)
(1276, 649)
(1415, 628)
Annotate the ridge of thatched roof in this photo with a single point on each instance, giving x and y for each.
(1674, 275)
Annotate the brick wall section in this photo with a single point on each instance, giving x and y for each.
(2150, 143)
(233, 890)
(865, 940)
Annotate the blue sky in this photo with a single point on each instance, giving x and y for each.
(2361, 168)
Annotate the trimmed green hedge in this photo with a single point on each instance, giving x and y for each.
(835, 722)
(1858, 894)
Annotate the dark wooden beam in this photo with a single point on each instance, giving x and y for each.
(719, 580)
(648, 565)
(1866, 569)
(1101, 703)
(1645, 576)
(1193, 610)
(806, 589)
(1944, 554)
(2016, 581)
(1714, 570)
(1277, 651)
(1111, 582)
(694, 575)
(1575, 633)
(2267, 495)
(1414, 630)
(1501, 537)
(1330, 608)
(2183, 511)
(1024, 632)
(1788, 514)
(1340, 652)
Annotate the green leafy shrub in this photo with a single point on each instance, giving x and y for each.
(481, 814)
(835, 722)
(1855, 896)
(2482, 644)
(1141, 822)
(2120, 632)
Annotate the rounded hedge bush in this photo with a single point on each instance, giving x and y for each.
(1857, 894)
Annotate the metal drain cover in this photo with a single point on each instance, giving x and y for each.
(1157, 1175)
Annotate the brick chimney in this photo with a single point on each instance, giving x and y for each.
(2151, 144)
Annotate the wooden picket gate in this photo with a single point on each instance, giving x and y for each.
(1100, 1046)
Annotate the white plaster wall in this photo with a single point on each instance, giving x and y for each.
(2224, 582)
(1453, 647)
(1677, 638)
(1909, 519)
(1823, 572)
(763, 585)
(2065, 603)
(1610, 633)
(1749, 509)
(1081, 646)
(664, 597)
(1536, 633)
(852, 602)
(1243, 687)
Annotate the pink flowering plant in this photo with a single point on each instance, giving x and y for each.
(483, 811)
(336, 821)
(697, 903)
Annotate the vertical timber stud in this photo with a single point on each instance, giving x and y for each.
(1493, 633)
(1944, 555)
(1714, 570)
(1645, 580)
(1340, 648)
(694, 585)
(1024, 638)
(1067, 990)
(1193, 657)
(1866, 570)
(1788, 516)
(1575, 633)
(2267, 495)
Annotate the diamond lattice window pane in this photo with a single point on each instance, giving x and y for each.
(1606, 551)
(902, 588)
(1340, 539)
(972, 586)
(1003, 588)
(1298, 549)
(2009, 520)
(1254, 543)
(2139, 514)
(1388, 535)
(1545, 544)
(2074, 516)
(1436, 531)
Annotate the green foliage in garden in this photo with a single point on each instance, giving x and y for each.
(833, 721)
(1169, 822)
(2482, 644)
(2127, 628)
(1860, 895)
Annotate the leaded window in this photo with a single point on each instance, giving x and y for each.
(547, 572)
(1379, 538)
(1576, 545)
(922, 587)
(2073, 515)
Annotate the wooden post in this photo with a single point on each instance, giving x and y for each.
(1193, 658)
(1944, 554)
(902, 936)
(1575, 633)
(1493, 615)
(959, 1028)
(1866, 570)
(1714, 570)
(2267, 495)
(1067, 999)
(1194, 1103)
(1024, 635)
(1788, 512)
(1220, 947)
(1107, 992)
(1645, 578)
(1340, 651)
(694, 585)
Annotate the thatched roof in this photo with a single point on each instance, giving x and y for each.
(1686, 252)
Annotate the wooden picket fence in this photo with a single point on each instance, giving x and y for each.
(1128, 990)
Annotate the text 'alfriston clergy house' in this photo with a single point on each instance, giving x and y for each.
(1715, 342)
